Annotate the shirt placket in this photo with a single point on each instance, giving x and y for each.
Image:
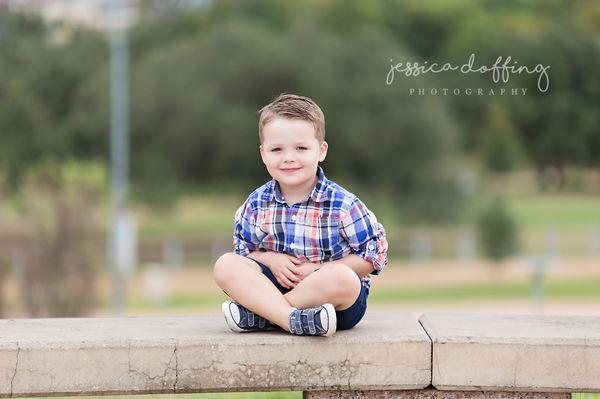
(292, 216)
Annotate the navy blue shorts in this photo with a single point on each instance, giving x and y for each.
(347, 318)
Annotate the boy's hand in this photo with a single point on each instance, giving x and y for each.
(306, 269)
(285, 269)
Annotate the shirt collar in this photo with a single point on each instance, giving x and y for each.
(319, 193)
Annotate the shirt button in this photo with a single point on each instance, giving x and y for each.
(371, 247)
(292, 245)
(294, 218)
(242, 245)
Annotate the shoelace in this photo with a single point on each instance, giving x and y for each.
(296, 325)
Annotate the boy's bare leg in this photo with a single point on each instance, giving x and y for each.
(245, 283)
(336, 284)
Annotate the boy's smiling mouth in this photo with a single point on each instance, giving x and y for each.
(290, 170)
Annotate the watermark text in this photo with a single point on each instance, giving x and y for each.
(501, 70)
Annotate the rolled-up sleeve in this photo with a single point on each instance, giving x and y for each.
(366, 236)
(244, 234)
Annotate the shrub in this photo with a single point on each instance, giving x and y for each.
(497, 231)
(59, 206)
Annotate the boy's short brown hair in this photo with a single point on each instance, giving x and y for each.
(293, 107)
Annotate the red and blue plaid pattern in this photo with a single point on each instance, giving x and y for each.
(331, 224)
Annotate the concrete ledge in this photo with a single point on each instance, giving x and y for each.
(514, 352)
(43, 357)
(389, 354)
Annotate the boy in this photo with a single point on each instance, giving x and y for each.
(303, 246)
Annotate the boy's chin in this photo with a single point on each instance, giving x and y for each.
(288, 181)
(298, 175)
(291, 180)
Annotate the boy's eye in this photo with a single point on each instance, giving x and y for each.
(302, 148)
(275, 149)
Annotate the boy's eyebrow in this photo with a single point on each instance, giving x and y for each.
(279, 144)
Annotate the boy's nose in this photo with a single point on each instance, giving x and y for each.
(288, 157)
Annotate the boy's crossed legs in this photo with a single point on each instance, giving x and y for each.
(244, 282)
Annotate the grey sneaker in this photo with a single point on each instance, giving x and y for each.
(313, 321)
(240, 319)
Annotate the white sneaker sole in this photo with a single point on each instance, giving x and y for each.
(229, 320)
(332, 320)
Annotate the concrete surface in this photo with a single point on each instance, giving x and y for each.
(87, 356)
(514, 352)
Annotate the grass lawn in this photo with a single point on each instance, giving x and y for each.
(563, 210)
(571, 217)
(564, 289)
(195, 214)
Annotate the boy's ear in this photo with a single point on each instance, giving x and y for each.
(323, 151)
(262, 155)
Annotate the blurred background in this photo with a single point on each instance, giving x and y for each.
(128, 138)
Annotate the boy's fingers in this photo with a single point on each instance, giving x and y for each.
(297, 272)
(291, 276)
(294, 269)
(295, 260)
(282, 283)
(286, 282)
(280, 280)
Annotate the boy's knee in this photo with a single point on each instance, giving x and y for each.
(223, 267)
(343, 278)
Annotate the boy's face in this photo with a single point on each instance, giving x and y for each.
(291, 152)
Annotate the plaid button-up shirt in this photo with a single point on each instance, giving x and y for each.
(329, 225)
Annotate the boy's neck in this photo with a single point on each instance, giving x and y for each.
(295, 194)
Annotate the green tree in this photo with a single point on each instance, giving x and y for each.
(46, 109)
(500, 147)
(497, 231)
(558, 127)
